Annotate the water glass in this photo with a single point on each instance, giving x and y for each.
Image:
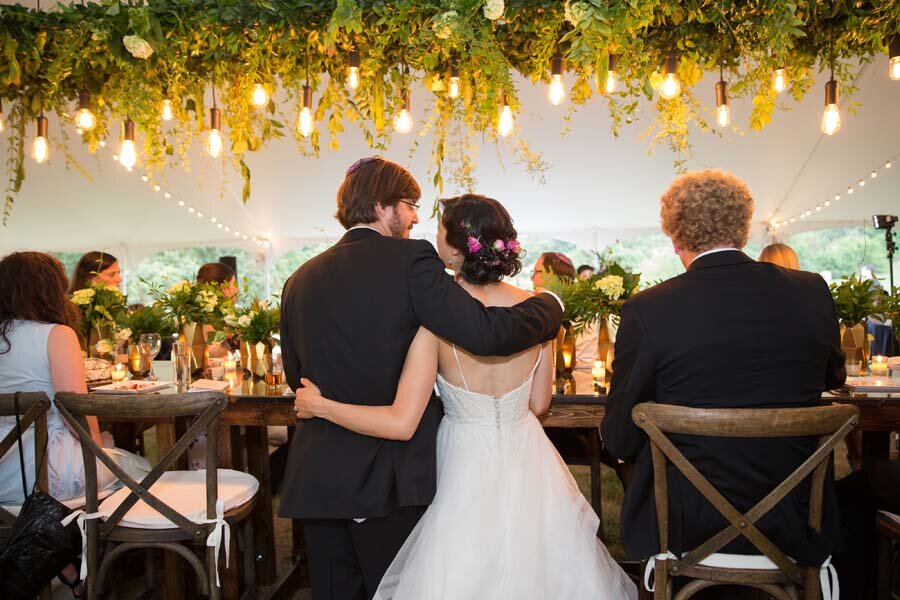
(853, 367)
(181, 365)
(150, 344)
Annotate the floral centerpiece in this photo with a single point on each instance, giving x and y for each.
(854, 300)
(101, 308)
(191, 306)
(255, 325)
(597, 299)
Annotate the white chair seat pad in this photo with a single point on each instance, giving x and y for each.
(757, 562)
(185, 492)
(892, 516)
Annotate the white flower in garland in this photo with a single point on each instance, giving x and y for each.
(124, 334)
(137, 46)
(575, 12)
(493, 9)
(208, 300)
(105, 347)
(445, 24)
(83, 297)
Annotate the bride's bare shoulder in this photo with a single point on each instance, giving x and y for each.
(506, 294)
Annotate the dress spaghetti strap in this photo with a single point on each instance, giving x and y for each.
(461, 374)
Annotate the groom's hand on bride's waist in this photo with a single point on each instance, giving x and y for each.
(305, 399)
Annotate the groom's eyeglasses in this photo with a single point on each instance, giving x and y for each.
(411, 203)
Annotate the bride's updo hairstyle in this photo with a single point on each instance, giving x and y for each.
(481, 229)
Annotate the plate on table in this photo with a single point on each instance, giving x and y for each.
(886, 385)
(132, 387)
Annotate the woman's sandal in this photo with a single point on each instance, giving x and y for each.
(78, 581)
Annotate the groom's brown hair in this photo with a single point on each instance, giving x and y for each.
(372, 181)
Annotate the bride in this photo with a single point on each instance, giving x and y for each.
(507, 520)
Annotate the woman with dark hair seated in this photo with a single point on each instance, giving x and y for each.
(96, 267)
(39, 352)
(507, 520)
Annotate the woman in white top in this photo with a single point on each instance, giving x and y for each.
(39, 352)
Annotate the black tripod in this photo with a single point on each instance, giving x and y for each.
(891, 247)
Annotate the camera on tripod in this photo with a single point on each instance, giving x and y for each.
(884, 221)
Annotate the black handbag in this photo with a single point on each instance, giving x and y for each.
(38, 546)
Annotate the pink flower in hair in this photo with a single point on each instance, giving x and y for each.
(498, 245)
(513, 246)
(473, 244)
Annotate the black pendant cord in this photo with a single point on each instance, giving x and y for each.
(214, 93)
(831, 38)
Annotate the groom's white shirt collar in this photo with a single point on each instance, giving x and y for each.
(713, 251)
(365, 227)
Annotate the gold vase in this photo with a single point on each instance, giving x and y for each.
(253, 357)
(191, 335)
(565, 360)
(606, 347)
(855, 343)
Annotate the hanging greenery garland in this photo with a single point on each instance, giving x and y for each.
(132, 57)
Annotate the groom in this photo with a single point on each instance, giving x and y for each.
(348, 317)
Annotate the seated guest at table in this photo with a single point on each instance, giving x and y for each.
(710, 338)
(39, 352)
(222, 274)
(585, 271)
(96, 267)
(781, 255)
(861, 495)
(586, 343)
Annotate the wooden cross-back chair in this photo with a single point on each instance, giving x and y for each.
(779, 576)
(119, 537)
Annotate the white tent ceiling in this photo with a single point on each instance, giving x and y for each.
(599, 188)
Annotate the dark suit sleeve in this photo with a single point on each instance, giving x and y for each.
(633, 382)
(450, 312)
(290, 359)
(835, 372)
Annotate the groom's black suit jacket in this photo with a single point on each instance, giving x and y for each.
(729, 333)
(348, 317)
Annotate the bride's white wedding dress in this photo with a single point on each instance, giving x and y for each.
(508, 520)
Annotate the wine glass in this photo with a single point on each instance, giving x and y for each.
(150, 344)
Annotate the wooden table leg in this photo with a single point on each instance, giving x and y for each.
(229, 446)
(257, 440)
(876, 447)
(596, 482)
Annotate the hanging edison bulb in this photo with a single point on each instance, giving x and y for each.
(779, 80)
(894, 55)
(167, 111)
(723, 111)
(557, 93)
(40, 150)
(84, 118)
(831, 118)
(214, 139)
(671, 86)
(353, 70)
(260, 96)
(305, 121)
(403, 121)
(611, 77)
(505, 121)
(454, 82)
(127, 153)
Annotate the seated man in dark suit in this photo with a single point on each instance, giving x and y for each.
(728, 333)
